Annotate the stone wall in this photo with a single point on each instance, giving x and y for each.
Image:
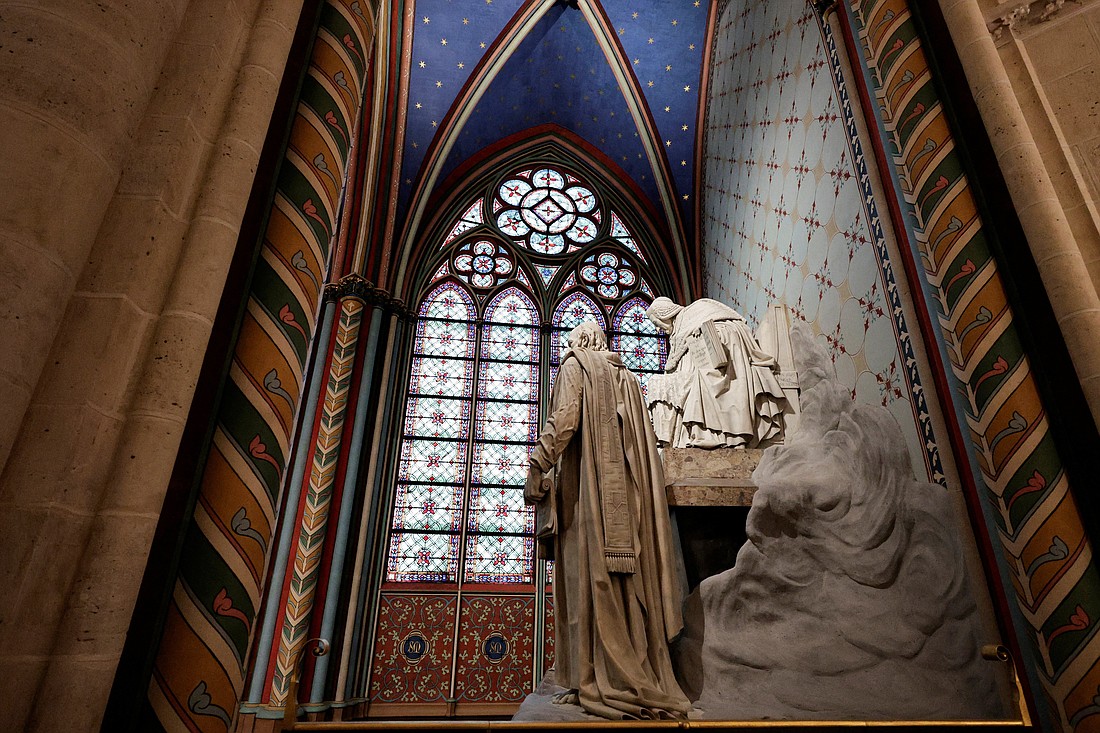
(132, 131)
(1051, 52)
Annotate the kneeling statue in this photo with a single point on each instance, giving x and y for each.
(719, 388)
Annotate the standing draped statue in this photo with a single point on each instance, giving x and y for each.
(719, 388)
(617, 597)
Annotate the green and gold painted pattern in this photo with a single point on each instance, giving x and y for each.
(198, 674)
(1042, 539)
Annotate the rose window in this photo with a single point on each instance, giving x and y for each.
(549, 211)
(483, 264)
(608, 275)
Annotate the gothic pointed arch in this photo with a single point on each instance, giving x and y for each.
(524, 248)
(627, 220)
(527, 30)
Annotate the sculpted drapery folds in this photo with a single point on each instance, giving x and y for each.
(719, 388)
(617, 596)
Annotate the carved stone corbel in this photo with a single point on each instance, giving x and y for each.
(1026, 13)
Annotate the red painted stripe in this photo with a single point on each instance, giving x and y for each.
(321, 590)
(395, 118)
(298, 510)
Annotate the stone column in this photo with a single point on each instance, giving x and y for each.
(75, 79)
(1061, 265)
(204, 645)
(82, 491)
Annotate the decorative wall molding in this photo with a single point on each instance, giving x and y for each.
(1014, 15)
(358, 287)
(1027, 497)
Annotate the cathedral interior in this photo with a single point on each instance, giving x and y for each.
(287, 280)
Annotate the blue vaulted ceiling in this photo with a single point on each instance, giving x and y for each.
(559, 73)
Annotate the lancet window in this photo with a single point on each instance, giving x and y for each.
(465, 614)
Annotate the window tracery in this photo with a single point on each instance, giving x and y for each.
(485, 333)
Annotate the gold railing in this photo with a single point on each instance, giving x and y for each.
(992, 652)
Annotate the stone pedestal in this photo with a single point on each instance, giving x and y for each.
(709, 493)
(722, 477)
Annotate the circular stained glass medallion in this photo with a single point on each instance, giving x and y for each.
(547, 211)
(483, 265)
(608, 274)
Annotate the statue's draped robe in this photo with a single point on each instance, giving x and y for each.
(612, 628)
(697, 406)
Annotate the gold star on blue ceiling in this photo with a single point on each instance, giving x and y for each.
(569, 83)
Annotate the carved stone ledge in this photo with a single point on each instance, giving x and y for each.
(358, 287)
(350, 286)
(722, 477)
(1012, 16)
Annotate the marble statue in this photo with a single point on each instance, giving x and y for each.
(719, 388)
(850, 599)
(597, 482)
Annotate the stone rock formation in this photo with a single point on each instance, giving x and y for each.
(850, 599)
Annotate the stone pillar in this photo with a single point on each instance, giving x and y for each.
(322, 490)
(1061, 265)
(199, 670)
(1023, 490)
(74, 84)
(82, 490)
(75, 81)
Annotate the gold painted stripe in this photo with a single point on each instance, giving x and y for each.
(212, 637)
(1035, 520)
(164, 710)
(256, 398)
(274, 332)
(246, 470)
(229, 552)
(328, 135)
(291, 278)
(343, 109)
(291, 211)
(1062, 588)
(1019, 374)
(321, 185)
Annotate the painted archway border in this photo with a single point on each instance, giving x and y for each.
(198, 674)
(1044, 549)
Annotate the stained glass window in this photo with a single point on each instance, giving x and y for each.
(573, 310)
(485, 332)
(547, 211)
(500, 547)
(639, 342)
(469, 219)
(608, 274)
(432, 470)
(483, 264)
